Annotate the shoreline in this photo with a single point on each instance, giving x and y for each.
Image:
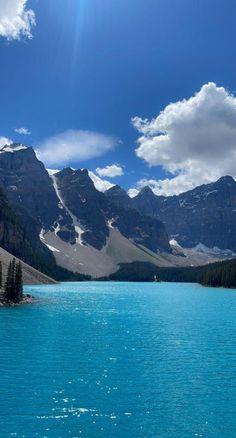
(27, 299)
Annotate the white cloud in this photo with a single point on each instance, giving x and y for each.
(74, 146)
(4, 141)
(101, 184)
(179, 184)
(16, 20)
(194, 140)
(110, 171)
(133, 192)
(22, 131)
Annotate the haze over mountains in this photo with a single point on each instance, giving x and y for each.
(61, 222)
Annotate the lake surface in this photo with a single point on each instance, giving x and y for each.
(119, 360)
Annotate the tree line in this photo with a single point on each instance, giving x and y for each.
(221, 275)
(12, 289)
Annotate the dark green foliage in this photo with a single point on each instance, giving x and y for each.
(18, 282)
(62, 274)
(13, 289)
(215, 274)
(139, 271)
(0, 274)
(221, 274)
(8, 284)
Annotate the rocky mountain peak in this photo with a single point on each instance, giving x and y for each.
(116, 189)
(27, 185)
(205, 214)
(13, 147)
(226, 180)
(118, 197)
(75, 175)
(146, 191)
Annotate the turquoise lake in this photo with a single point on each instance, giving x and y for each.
(119, 360)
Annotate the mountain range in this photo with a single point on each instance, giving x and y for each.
(62, 225)
(202, 217)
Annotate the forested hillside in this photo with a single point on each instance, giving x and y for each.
(221, 274)
(215, 274)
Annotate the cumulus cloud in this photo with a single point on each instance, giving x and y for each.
(16, 20)
(4, 141)
(133, 192)
(22, 131)
(74, 146)
(110, 171)
(193, 139)
(101, 184)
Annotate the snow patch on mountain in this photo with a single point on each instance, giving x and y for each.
(41, 235)
(52, 248)
(14, 147)
(52, 171)
(215, 251)
(174, 242)
(78, 228)
(110, 222)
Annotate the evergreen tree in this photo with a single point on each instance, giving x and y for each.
(18, 283)
(221, 274)
(8, 283)
(0, 274)
(13, 289)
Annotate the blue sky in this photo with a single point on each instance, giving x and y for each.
(93, 65)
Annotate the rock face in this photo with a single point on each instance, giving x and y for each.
(26, 183)
(206, 214)
(143, 230)
(29, 188)
(118, 197)
(66, 208)
(43, 217)
(21, 241)
(85, 203)
(96, 213)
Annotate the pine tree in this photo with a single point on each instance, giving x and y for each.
(13, 285)
(8, 283)
(0, 274)
(13, 274)
(13, 288)
(18, 283)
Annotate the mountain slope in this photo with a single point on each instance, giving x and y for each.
(19, 231)
(67, 208)
(205, 215)
(30, 275)
(93, 214)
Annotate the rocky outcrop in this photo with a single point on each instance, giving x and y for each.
(29, 189)
(85, 203)
(95, 214)
(206, 214)
(65, 212)
(119, 197)
(18, 235)
(27, 185)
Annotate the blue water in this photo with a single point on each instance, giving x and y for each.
(119, 360)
